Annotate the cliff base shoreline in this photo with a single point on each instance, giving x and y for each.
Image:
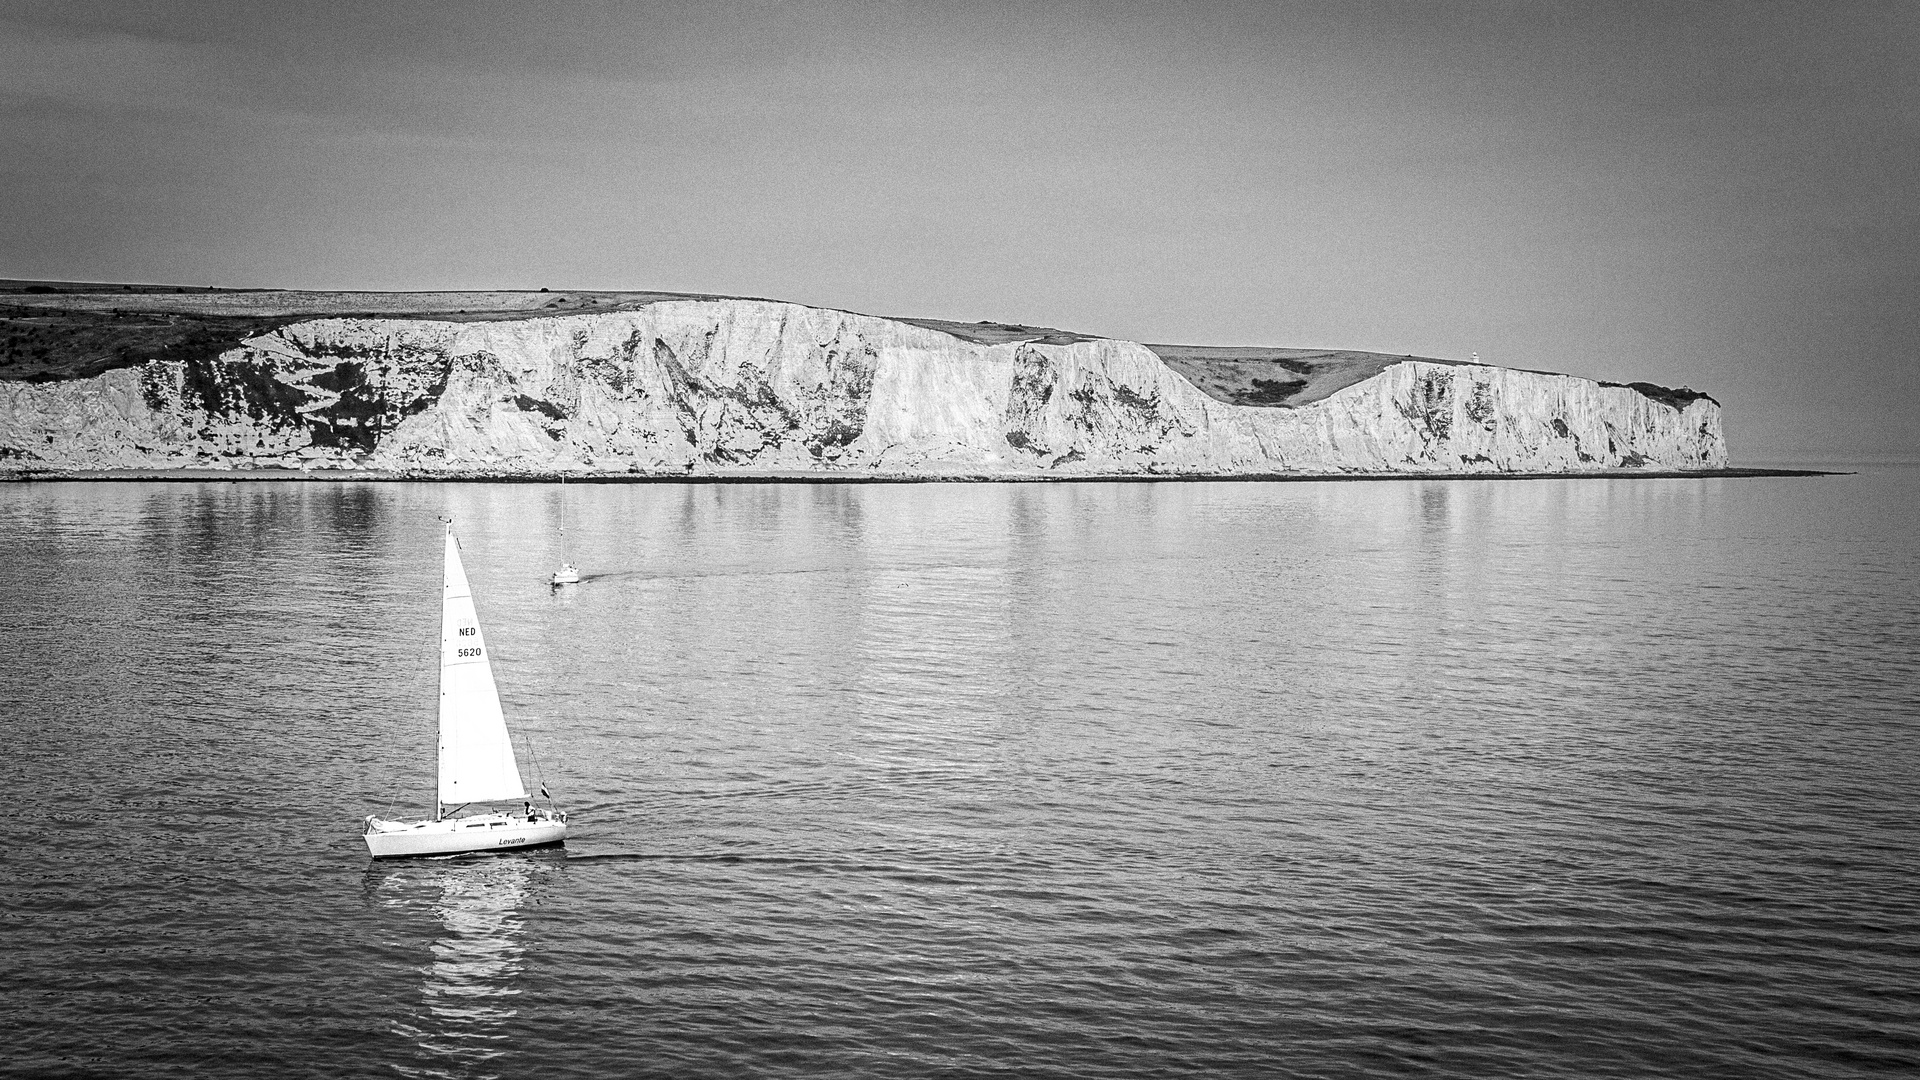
(257, 475)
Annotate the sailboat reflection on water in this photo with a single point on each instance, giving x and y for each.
(568, 574)
(476, 755)
(470, 986)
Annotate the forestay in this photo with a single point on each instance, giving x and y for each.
(476, 755)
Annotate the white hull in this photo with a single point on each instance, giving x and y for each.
(454, 836)
(566, 575)
(476, 762)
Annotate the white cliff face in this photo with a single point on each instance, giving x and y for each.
(761, 386)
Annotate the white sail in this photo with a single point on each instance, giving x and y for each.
(476, 755)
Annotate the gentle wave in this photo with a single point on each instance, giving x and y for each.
(1564, 778)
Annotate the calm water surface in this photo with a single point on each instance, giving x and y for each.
(1556, 778)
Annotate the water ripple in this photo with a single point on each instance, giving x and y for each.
(1583, 778)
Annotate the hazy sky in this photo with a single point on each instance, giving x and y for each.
(1717, 195)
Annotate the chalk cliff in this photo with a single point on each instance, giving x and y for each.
(750, 385)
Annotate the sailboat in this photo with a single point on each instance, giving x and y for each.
(568, 574)
(476, 754)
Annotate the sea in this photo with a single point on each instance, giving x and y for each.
(1474, 778)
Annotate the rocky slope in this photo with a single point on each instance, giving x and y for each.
(761, 386)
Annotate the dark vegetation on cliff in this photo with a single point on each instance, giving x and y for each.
(1276, 378)
(993, 333)
(47, 344)
(1675, 397)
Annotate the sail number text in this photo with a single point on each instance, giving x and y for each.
(469, 652)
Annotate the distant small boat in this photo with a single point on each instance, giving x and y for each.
(568, 574)
(476, 754)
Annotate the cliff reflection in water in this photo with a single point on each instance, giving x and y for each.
(468, 991)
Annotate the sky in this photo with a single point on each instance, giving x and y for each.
(1714, 195)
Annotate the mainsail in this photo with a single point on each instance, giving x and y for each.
(476, 756)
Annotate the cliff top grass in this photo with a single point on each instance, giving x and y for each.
(55, 330)
(1276, 377)
(993, 333)
(42, 342)
(52, 331)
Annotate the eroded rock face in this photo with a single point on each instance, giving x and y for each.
(762, 386)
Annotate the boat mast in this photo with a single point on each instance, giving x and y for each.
(439, 808)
